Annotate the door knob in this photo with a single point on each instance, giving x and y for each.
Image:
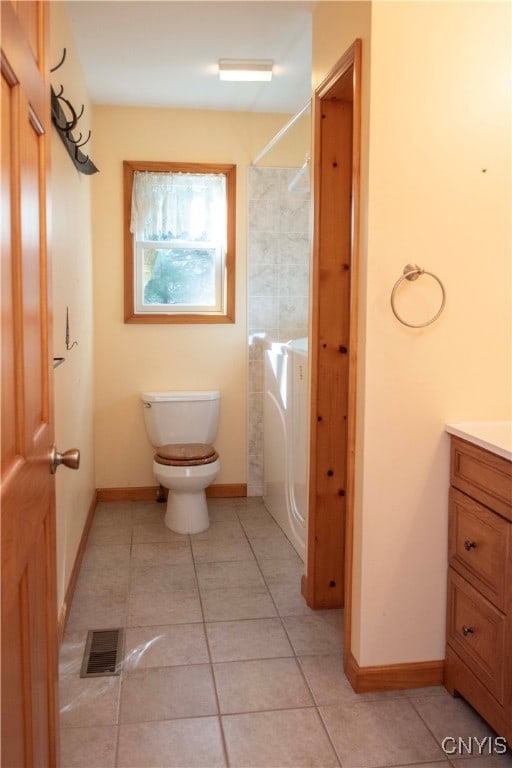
(69, 458)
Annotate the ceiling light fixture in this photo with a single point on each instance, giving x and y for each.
(246, 70)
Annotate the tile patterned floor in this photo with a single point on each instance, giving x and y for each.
(225, 665)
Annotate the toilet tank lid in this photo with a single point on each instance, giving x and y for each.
(156, 397)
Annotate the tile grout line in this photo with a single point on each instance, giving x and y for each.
(125, 627)
(235, 713)
(295, 654)
(427, 726)
(217, 699)
(278, 614)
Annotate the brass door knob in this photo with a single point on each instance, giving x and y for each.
(70, 459)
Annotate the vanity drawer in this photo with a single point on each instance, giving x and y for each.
(476, 632)
(484, 476)
(479, 546)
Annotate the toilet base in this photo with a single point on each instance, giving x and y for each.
(187, 512)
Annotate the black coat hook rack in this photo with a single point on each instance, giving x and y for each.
(65, 118)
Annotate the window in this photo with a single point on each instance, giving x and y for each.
(179, 230)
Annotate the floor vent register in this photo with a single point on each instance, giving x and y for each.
(103, 653)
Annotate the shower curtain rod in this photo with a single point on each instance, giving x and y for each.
(281, 133)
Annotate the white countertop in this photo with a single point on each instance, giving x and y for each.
(494, 436)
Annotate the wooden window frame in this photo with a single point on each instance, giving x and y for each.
(228, 314)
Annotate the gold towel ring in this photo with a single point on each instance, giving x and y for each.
(412, 272)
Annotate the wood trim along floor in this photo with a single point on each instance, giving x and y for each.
(70, 591)
(393, 677)
(148, 493)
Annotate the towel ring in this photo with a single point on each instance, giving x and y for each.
(412, 272)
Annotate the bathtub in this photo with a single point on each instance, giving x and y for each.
(285, 438)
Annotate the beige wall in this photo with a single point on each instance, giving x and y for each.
(70, 239)
(437, 137)
(133, 358)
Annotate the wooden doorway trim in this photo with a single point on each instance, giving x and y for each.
(334, 319)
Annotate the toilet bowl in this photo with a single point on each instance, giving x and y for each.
(181, 426)
(187, 510)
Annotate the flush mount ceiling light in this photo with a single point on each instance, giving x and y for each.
(246, 70)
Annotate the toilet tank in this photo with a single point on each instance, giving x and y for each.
(181, 417)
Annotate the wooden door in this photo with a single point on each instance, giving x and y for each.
(29, 644)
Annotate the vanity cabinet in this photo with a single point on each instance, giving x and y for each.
(479, 612)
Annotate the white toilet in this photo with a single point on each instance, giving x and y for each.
(182, 427)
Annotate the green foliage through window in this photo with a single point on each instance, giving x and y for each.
(179, 276)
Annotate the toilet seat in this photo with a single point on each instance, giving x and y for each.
(186, 454)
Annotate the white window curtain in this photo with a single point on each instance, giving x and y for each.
(183, 206)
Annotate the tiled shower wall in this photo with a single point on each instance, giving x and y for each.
(278, 253)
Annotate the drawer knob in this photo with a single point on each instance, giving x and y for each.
(467, 631)
(469, 545)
